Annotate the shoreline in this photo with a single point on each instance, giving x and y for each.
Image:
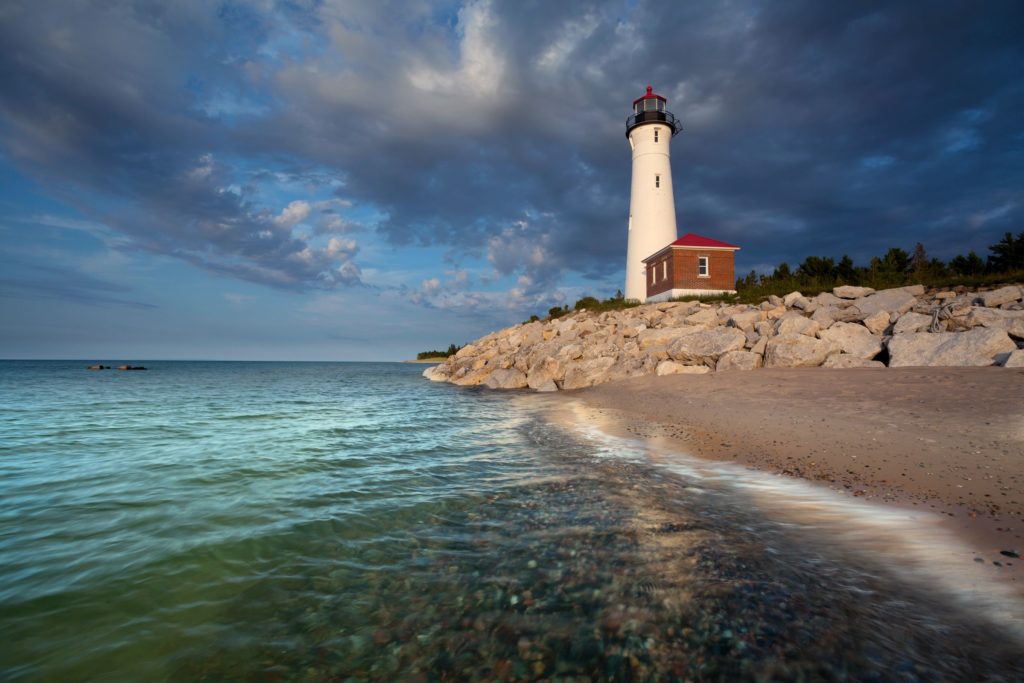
(949, 441)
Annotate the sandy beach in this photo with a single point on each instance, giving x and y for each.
(950, 440)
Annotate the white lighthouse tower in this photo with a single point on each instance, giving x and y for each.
(652, 209)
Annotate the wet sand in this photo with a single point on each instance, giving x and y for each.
(945, 440)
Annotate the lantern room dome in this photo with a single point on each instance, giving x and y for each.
(651, 108)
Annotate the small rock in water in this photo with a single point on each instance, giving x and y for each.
(1009, 553)
(980, 560)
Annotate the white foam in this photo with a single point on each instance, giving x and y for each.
(912, 543)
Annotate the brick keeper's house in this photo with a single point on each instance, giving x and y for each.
(693, 265)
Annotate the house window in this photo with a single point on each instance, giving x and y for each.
(702, 266)
(654, 275)
(664, 270)
(655, 134)
(657, 181)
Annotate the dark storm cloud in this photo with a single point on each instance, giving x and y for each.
(497, 129)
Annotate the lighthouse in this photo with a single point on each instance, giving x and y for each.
(652, 209)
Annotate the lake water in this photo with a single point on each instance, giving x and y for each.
(352, 521)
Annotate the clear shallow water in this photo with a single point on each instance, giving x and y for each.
(313, 522)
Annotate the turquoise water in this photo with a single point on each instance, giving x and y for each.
(352, 521)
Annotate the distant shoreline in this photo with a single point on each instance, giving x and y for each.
(433, 361)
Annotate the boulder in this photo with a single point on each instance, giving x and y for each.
(738, 360)
(878, 323)
(845, 360)
(912, 322)
(705, 317)
(913, 290)
(695, 349)
(1015, 359)
(797, 325)
(797, 350)
(670, 367)
(888, 300)
(791, 299)
(853, 339)
(664, 336)
(824, 316)
(543, 371)
(998, 297)
(507, 378)
(547, 386)
(978, 346)
(587, 373)
(746, 320)
(437, 373)
(851, 292)
(466, 377)
(828, 299)
(996, 318)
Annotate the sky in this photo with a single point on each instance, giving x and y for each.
(355, 180)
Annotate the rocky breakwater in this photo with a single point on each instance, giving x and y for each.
(848, 327)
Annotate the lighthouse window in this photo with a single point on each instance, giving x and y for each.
(655, 134)
(702, 266)
(657, 181)
(650, 105)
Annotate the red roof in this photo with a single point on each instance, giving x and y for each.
(693, 240)
(650, 95)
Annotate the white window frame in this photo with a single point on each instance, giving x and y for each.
(705, 262)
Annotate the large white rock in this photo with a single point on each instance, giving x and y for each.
(915, 290)
(888, 300)
(746, 319)
(978, 346)
(738, 360)
(547, 387)
(824, 315)
(703, 345)
(998, 297)
(997, 318)
(507, 378)
(545, 370)
(705, 317)
(853, 339)
(827, 299)
(587, 373)
(797, 325)
(1015, 359)
(845, 360)
(851, 292)
(664, 336)
(671, 367)
(912, 322)
(877, 323)
(437, 373)
(797, 351)
(788, 300)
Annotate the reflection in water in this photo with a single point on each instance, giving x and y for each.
(609, 568)
(324, 522)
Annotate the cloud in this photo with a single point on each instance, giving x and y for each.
(488, 130)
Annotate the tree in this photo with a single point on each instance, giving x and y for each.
(782, 272)
(817, 268)
(967, 265)
(918, 261)
(1007, 254)
(846, 272)
(895, 262)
